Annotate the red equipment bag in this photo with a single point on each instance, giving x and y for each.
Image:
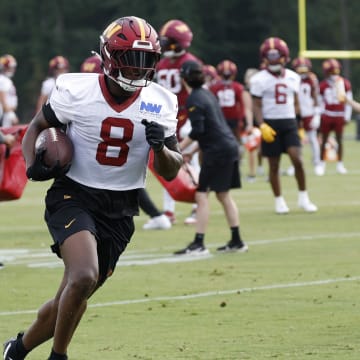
(183, 187)
(12, 166)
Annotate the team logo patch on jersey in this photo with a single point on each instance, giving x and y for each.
(150, 108)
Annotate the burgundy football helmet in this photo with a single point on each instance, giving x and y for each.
(227, 69)
(130, 50)
(301, 65)
(211, 74)
(175, 38)
(331, 67)
(59, 63)
(92, 64)
(8, 65)
(274, 53)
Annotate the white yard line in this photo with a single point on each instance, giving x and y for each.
(202, 295)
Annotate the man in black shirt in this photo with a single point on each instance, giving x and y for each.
(220, 160)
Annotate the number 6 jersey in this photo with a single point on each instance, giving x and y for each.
(110, 148)
(277, 93)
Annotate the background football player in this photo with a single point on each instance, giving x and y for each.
(57, 65)
(175, 38)
(274, 91)
(309, 107)
(334, 90)
(8, 96)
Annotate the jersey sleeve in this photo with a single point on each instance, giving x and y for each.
(61, 101)
(256, 86)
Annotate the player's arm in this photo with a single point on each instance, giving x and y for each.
(257, 109)
(248, 110)
(354, 104)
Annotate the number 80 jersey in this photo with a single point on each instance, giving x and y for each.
(277, 93)
(110, 147)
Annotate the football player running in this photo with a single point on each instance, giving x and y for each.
(309, 107)
(275, 97)
(112, 123)
(334, 91)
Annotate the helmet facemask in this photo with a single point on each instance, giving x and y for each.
(131, 69)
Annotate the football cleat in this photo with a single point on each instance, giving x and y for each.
(191, 220)
(193, 249)
(160, 222)
(240, 247)
(340, 168)
(280, 206)
(307, 205)
(10, 348)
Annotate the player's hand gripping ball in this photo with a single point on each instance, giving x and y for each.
(54, 151)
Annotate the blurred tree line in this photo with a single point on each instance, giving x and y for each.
(34, 31)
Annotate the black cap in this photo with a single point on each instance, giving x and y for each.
(192, 72)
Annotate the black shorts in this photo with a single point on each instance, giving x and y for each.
(219, 178)
(71, 207)
(286, 136)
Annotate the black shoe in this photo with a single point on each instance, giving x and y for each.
(193, 249)
(1, 265)
(10, 348)
(233, 247)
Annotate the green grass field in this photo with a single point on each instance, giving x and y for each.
(294, 295)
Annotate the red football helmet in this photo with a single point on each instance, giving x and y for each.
(211, 74)
(227, 69)
(331, 67)
(130, 50)
(175, 38)
(58, 63)
(274, 52)
(8, 65)
(92, 64)
(301, 65)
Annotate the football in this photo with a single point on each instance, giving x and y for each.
(58, 146)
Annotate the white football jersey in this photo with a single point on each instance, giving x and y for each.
(8, 88)
(110, 147)
(276, 92)
(47, 86)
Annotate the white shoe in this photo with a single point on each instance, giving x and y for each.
(191, 220)
(160, 222)
(280, 206)
(290, 171)
(319, 170)
(340, 168)
(307, 205)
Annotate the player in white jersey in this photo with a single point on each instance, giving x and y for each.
(90, 209)
(309, 107)
(274, 90)
(8, 96)
(57, 65)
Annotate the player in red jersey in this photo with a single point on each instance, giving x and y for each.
(211, 75)
(175, 38)
(274, 91)
(334, 90)
(309, 107)
(234, 101)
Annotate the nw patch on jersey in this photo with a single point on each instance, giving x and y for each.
(150, 109)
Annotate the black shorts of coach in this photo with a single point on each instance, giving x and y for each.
(219, 176)
(108, 215)
(286, 136)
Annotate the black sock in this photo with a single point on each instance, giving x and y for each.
(56, 356)
(235, 235)
(199, 239)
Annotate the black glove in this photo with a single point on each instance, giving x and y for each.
(38, 171)
(155, 135)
